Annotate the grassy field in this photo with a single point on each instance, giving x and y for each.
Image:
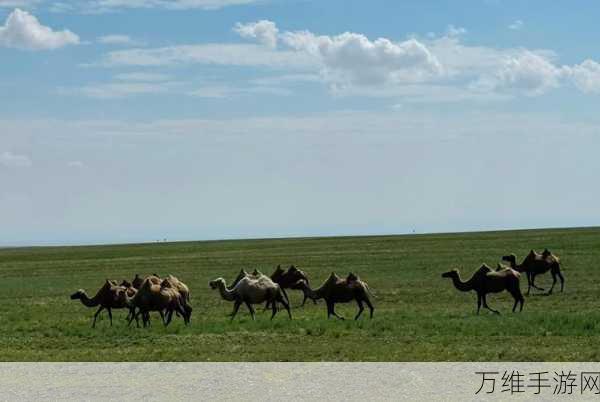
(419, 316)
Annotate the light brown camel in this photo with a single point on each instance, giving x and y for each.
(536, 264)
(337, 290)
(110, 296)
(172, 282)
(251, 290)
(485, 281)
(153, 297)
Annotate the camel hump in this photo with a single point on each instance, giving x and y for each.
(292, 268)
(351, 277)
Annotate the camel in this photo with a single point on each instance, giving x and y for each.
(289, 280)
(153, 297)
(485, 281)
(110, 296)
(252, 290)
(535, 264)
(337, 290)
(172, 282)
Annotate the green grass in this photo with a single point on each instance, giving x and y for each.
(419, 316)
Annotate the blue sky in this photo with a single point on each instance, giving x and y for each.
(138, 120)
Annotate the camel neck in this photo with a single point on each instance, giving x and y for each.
(86, 301)
(460, 285)
(314, 294)
(226, 294)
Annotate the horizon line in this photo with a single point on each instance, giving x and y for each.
(292, 237)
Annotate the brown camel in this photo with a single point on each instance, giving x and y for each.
(110, 296)
(289, 280)
(337, 290)
(536, 264)
(485, 281)
(153, 297)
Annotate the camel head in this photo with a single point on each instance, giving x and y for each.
(78, 295)
(214, 284)
(510, 258)
(294, 275)
(450, 274)
(137, 281)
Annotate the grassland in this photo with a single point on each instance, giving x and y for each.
(419, 316)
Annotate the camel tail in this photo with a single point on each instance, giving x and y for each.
(369, 290)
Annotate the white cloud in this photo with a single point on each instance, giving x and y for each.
(213, 53)
(586, 76)
(352, 64)
(144, 77)
(264, 31)
(223, 91)
(352, 58)
(75, 164)
(9, 159)
(102, 6)
(529, 72)
(23, 30)
(117, 40)
(455, 31)
(517, 25)
(114, 90)
(19, 3)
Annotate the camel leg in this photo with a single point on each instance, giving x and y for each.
(188, 314)
(109, 315)
(137, 322)
(485, 305)
(553, 283)
(184, 314)
(562, 280)
(251, 310)
(96, 316)
(370, 306)
(478, 303)
(360, 309)
(132, 316)
(273, 307)
(528, 282)
(236, 307)
(286, 305)
(334, 313)
(169, 316)
(533, 283)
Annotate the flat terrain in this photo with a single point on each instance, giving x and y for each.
(419, 316)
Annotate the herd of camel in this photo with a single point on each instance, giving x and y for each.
(485, 280)
(170, 295)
